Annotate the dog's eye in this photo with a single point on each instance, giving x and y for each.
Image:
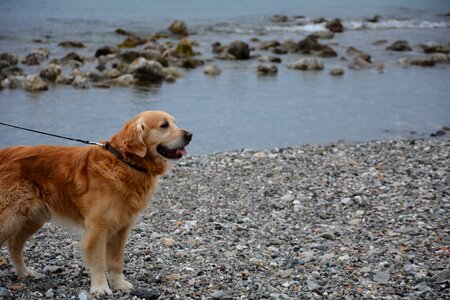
(165, 124)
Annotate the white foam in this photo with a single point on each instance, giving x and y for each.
(297, 28)
(394, 24)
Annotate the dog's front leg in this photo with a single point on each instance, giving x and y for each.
(115, 251)
(95, 256)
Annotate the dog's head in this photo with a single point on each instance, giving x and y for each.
(154, 133)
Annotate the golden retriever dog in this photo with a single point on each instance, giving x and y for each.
(102, 189)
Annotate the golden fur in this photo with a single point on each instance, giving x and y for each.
(90, 187)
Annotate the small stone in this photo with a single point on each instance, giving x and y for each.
(365, 269)
(337, 72)
(442, 277)
(381, 277)
(312, 286)
(328, 235)
(173, 277)
(49, 293)
(168, 242)
(145, 294)
(346, 201)
(4, 293)
(285, 273)
(218, 295)
(359, 213)
(267, 69)
(212, 70)
(355, 221)
(52, 269)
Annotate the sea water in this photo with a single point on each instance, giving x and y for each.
(237, 109)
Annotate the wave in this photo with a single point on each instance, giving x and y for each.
(360, 25)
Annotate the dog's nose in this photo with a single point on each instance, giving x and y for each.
(187, 136)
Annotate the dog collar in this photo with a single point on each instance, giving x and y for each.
(107, 146)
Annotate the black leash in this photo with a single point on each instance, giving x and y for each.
(107, 146)
(51, 134)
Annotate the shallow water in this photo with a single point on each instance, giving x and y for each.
(237, 109)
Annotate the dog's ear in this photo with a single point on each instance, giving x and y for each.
(134, 139)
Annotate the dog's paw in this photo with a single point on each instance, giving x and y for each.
(100, 290)
(26, 273)
(122, 285)
(118, 282)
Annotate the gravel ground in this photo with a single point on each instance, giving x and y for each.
(343, 221)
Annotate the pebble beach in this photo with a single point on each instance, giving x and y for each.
(341, 221)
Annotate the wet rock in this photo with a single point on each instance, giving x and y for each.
(179, 28)
(96, 76)
(319, 20)
(440, 58)
(290, 45)
(171, 74)
(123, 32)
(437, 49)
(132, 41)
(80, 82)
(184, 48)
(123, 80)
(379, 42)
(36, 57)
(335, 25)
(337, 72)
(11, 71)
(310, 45)
(145, 70)
(190, 63)
(270, 59)
(354, 52)
(72, 57)
(51, 72)
(112, 73)
(8, 60)
(35, 83)
(217, 48)
(212, 70)
(359, 63)
(267, 69)
(280, 19)
(323, 34)
(106, 50)
(145, 294)
(268, 45)
(438, 133)
(306, 64)
(71, 44)
(279, 50)
(64, 79)
(374, 19)
(239, 50)
(401, 45)
(418, 61)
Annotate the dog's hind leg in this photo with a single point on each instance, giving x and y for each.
(16, 243)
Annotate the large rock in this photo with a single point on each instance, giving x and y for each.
(80, 82)
(171, 74)
(360, 63)
(51, 72)
(267, 45)
(401, 45)
(323, 34)
(106, 50)
(335, 25)
(145, 70)
(239, 50)
(337, 72)
(310, 45)
(36, 57)
(72, 57)
(437, 49)
(179, 28)
(64, 79)
(354, 52)
(440, 58)
(190, 63)
(8, 60)
(123, 81)
(132, 41)
(267, 69)
(34, 83)
(184, 48)
(306, 64)
(71, 44)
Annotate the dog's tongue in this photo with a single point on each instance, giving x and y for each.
(182, 151)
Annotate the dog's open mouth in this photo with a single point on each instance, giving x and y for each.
(171, 153)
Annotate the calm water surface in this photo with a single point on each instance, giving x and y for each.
(237, 109)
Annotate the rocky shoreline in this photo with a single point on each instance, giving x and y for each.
(342, 221)
(162, 57)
